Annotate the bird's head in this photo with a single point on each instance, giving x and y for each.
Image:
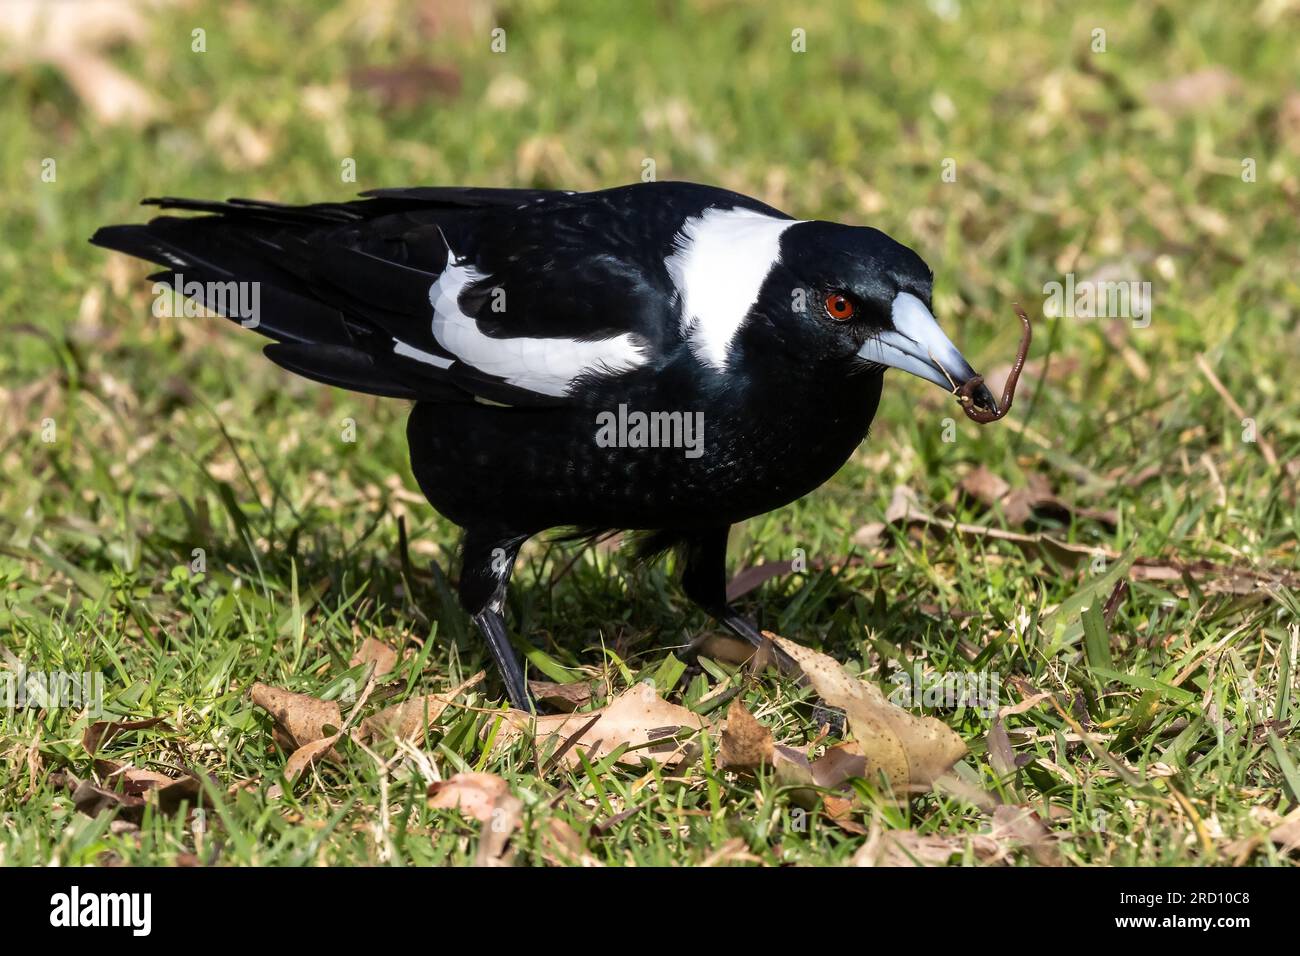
(824, 295)
(855, 296)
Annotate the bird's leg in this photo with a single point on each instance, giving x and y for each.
(486, 564)
(704, 579)
(493, 627)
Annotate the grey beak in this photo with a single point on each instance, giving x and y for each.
(918, 345)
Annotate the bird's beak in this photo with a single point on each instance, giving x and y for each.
(916, 344)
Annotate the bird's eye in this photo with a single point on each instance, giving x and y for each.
(839, 306)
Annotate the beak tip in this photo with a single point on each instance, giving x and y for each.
(983, 398)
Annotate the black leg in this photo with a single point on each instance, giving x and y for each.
(704, 579)
(486, 563)
(493, 628)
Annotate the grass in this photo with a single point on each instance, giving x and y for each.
(128, 441)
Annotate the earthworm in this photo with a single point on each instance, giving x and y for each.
(981, 415)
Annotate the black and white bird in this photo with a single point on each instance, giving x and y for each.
(661, 358)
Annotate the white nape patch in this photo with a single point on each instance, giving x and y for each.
(410, 351)
(545, 366)
(720, 263)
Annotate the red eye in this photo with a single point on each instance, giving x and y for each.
(839, 306)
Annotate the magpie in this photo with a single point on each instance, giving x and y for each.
(664, 359)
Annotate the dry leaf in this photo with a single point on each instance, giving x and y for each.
(306, 755)
(984, 486)
(383, 656)
(137, 789)
(411, 718)
(1036, 499)
(93, 800)
(300, 718)
(102, 731)
(561, 845)
(636, 717)
(745, 744)
(564, 697)
(750, 578)
(911, 751)
(474, 794)
(1287, 833)
(1021, 826)
(730, 650)
(407, 720)
(486, 798)
(909, 848)
(838, 764)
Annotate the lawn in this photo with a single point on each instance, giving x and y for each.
(1117, 559)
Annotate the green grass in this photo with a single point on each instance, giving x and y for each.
(175, 434)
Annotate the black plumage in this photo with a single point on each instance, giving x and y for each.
(523, 322)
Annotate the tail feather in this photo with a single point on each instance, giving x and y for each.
(342, 288)
(341, 367)
(286, 311)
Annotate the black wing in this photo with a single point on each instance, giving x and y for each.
(515, 296)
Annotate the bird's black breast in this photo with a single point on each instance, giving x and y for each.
(533, 469)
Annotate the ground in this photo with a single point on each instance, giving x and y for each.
(183, 518)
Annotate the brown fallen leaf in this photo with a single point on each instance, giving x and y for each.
(371, 650)
(636, 717)
(1017, 825)
(561, 845)
(1284, 832)
(307, 755)
(911, 849)
(1036, 499)
(751, 578)
(484, 797)
(1001, 757)
(411, 718)
(130, 789)
(134, 780)
(984, 486)
(565, 697)
(474, 794)
(745, 743)
(299, 718)
(92, 800)
(1287, 835)
(729, 650)
(306, 726)
(102, 731)
(911, 751)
